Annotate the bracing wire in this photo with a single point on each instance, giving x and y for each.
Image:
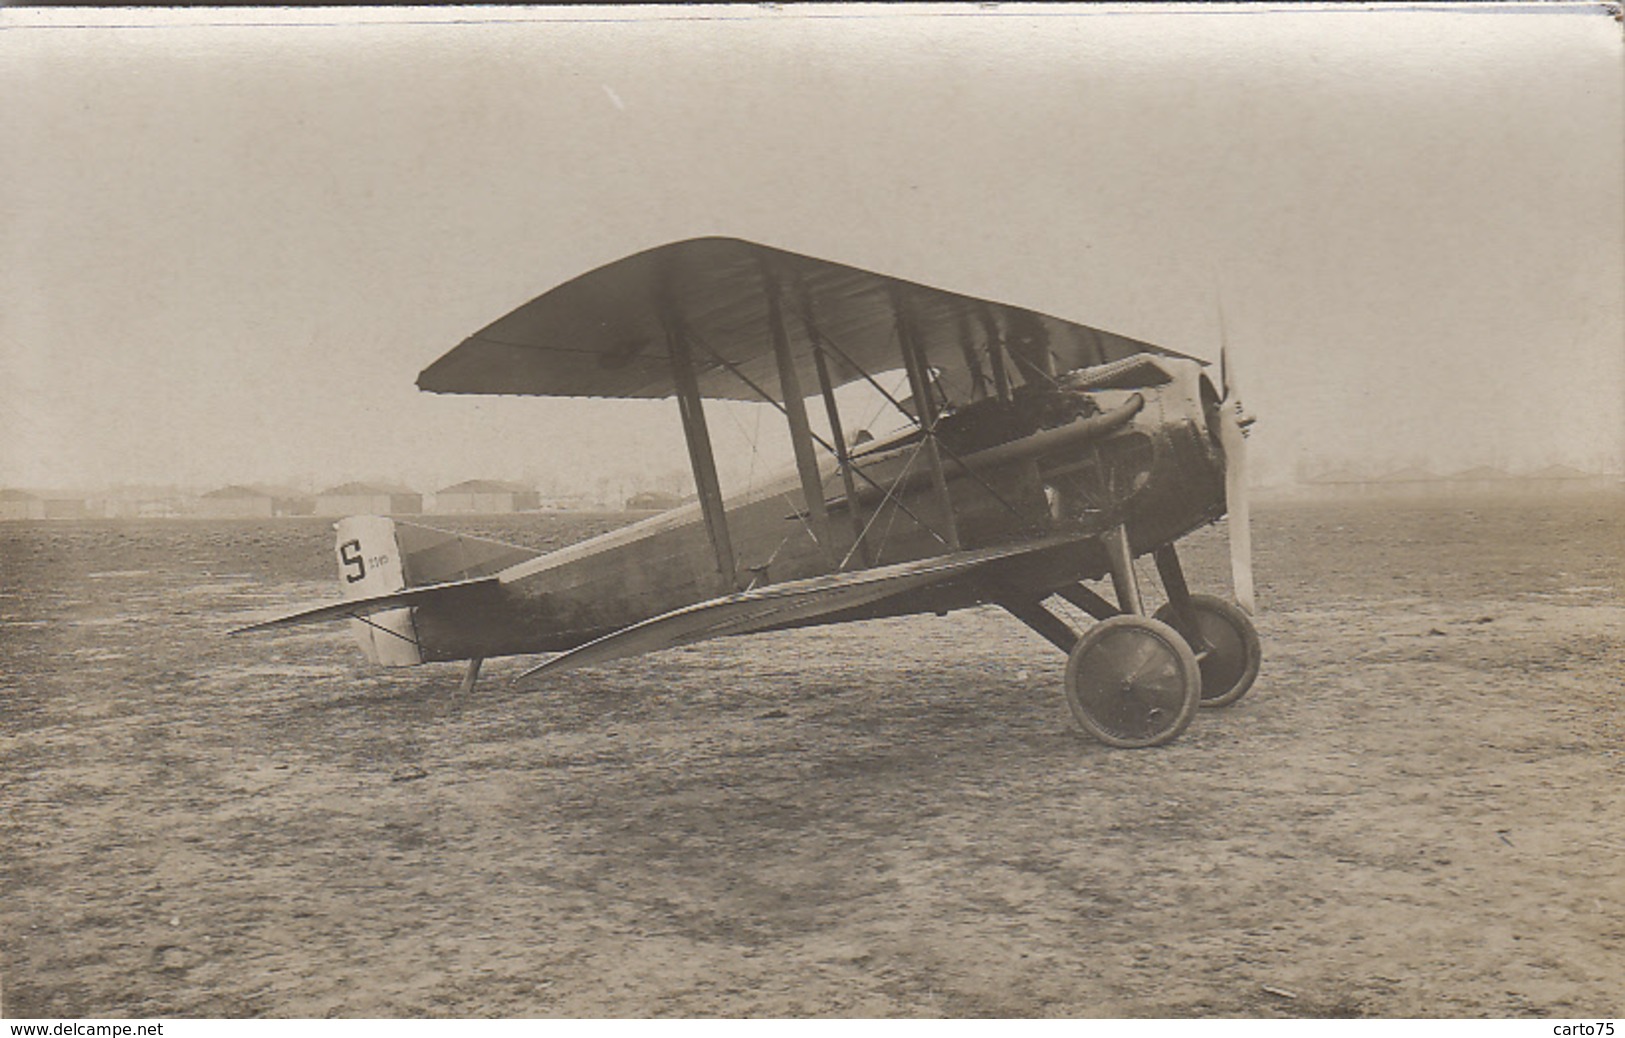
(410, 641)
(856, 469)
(881, 507)
(954, 457)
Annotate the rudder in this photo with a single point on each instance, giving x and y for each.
(371, 563)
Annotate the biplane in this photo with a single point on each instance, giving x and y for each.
(1038, 455)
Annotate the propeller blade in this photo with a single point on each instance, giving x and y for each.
(1234, 442)
(1233, 438)
(1227, 374)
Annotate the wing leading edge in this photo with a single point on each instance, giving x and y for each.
(605, 333)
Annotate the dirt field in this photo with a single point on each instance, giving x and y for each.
(1418, 811)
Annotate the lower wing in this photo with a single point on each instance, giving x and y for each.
(782, 605)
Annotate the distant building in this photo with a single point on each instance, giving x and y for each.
(652, 501)
(241, 501)
(42, 504)
(573, 502)
(369, 499)
(486, 497)
(1480, 480)
(141, 501)
(1562, 479)
(1338, 482)
(1342, 476)
(1408, 482)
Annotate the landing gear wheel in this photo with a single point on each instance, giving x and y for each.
(1133, 682)
(1227, 646)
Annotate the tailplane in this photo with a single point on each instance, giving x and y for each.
(388, 569)
(379, 557)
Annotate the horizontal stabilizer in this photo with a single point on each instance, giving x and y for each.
(358, 607)
(780, 605)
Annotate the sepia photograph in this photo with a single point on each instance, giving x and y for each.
(813, 511)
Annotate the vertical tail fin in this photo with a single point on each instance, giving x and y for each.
(371, 563)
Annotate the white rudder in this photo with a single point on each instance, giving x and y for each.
(371, 563)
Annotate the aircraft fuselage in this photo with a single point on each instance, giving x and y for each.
(1015, 471)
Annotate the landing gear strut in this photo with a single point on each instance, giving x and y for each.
(1226, 646)
(1131, 681)
(1219, 632)
(470, 675)
(1134, 680)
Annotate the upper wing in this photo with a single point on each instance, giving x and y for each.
(781, 605)
(604, 334)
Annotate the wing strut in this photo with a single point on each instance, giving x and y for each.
(821, 345)
(926, 405)
(995, 353)
(1001, 385)
(826, 386)
(698, 436)
(842, 458)
(795, 410)
(855, 469)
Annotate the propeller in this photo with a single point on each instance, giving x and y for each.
(1233, 422)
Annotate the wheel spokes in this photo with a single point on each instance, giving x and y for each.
(1133, 682)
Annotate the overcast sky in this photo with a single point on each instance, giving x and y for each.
(230, 248)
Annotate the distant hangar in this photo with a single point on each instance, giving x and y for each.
(369, 499)
(486, 497)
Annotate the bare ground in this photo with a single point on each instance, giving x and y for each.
(1417, 812)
